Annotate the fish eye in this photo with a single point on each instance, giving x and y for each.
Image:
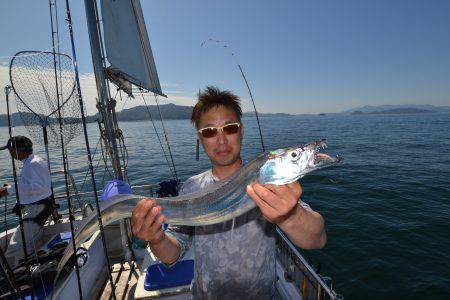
(295, 155)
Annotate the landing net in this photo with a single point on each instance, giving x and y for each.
(39, 95)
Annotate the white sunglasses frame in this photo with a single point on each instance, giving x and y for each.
(219, 128)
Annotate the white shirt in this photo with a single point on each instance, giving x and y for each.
(34, 181)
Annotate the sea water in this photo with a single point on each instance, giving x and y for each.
(386, 208)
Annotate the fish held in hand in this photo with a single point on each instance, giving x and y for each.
(221, 201)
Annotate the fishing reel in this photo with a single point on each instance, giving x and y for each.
(81, 256)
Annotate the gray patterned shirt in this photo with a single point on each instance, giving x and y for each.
(234, 259)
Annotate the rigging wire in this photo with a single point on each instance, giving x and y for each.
(157, 134)
(165, 136)
(87, 171)
(224, 45)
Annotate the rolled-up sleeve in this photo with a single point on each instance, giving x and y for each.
(305, 205)
(183, 234)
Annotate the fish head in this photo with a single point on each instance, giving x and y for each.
(287, 165)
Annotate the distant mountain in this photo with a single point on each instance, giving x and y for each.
(251, 114)
(405, 110)
(178, 112)
(169, 112)
(416, 108)
(16, 119)
(357, 112)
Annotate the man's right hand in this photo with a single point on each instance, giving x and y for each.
(146, 222)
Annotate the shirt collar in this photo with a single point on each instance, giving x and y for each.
(28, 159)
(215, 179)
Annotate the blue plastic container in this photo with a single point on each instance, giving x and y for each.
(61, 237)
(115, 187)
(160, 277)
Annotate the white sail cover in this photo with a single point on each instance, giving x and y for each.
(127, 44)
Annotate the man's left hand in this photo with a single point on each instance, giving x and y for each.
(3, 191)
(276, 202)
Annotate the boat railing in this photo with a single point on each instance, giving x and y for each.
(297, 270)
(301, 274)
(144, 189)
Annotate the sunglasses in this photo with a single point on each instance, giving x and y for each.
(209, 132)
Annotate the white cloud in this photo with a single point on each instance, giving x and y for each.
(89, 91)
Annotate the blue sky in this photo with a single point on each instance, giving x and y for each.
(299, 56)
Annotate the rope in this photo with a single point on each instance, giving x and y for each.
(122, 145)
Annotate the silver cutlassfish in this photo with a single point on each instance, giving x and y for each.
(219, 202)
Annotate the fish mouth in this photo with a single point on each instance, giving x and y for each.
(317, 145)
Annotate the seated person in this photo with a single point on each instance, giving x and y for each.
(35, 196)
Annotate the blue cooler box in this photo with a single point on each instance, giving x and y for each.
(160, 277)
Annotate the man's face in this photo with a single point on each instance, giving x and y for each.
(222, 149)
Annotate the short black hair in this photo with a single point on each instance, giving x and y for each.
(213, 97)
(20, 143)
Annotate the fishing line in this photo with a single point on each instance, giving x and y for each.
(224, 45)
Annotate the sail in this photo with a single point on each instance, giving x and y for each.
(127, 44)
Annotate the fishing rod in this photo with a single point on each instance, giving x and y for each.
(8, 89)
(224, 45)
(9, 277)
(91, 21)
(63, 152)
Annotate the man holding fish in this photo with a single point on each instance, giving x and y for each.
(233, 259)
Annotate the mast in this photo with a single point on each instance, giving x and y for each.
(105, 106)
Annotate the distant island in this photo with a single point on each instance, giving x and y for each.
(395, 111)
(138, 113)
(252, 115)
(179, 112)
